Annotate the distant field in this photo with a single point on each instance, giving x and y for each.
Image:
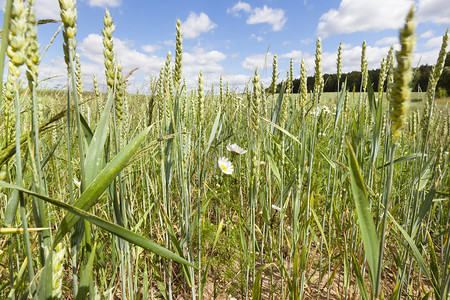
(415, 103)
(184, 195)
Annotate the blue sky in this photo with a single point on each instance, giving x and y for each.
(233, 38)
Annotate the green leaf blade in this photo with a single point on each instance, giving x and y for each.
(365, 219)
(100, 183)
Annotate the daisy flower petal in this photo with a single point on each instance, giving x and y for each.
(225, 165)
(234, 148)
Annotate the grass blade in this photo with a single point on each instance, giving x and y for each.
(277, 109)
(94, 152)
(414, 249)
(214, 130)
(365, 220)
(360, 279)
(45, 287)
(86, 130)
(115, 229)
(100, 183)
(403, 159)
(86, 276)
(256, 291)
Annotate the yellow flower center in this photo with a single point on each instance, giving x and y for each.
(224, 167)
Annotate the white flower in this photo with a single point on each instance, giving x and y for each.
(320, 109)
(276, 207)
(236, 149)
(225, 165)
(325, 109)
(77, 183)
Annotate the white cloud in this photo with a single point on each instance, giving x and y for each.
(294, 54)
(307, 41)
(257, 37)
(426, 58)
(92, 60)
(258, 61)
(169, 42)
(427, 34)
(434, 42)
(351, 58)
(237, 82)
(240, 6)
(53, 73)
(389, 40)
(91, 48)
(150, 48)
(363, 15)
(47, 9)
(346, 46)
(200, 60)
(209, 62)
(272, 16)
(196, 24)
(194, 61)
(436, 11)
(105, 3)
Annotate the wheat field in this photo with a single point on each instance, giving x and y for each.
(208, 193)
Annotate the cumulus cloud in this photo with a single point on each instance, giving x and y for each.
(427, 34)
(91, 47)
(434, 42)
(196, 24)
(272, 16)
(363, 15)
(150, 48)
(389, 40)
(240, 6)
(296, 55)
(427, 57)
(47, 9)
(257, 37)
(436, 11)
(351, 58)
(238, 81)
(92, 60)
(307, 41)
(208, 61)
(169, 42)
(91, 54)
(44, 9)
(52, 73)
(200, 59)
(105, 3)
(258, 61)
(346, 46)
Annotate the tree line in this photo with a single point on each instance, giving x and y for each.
(418, 83)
